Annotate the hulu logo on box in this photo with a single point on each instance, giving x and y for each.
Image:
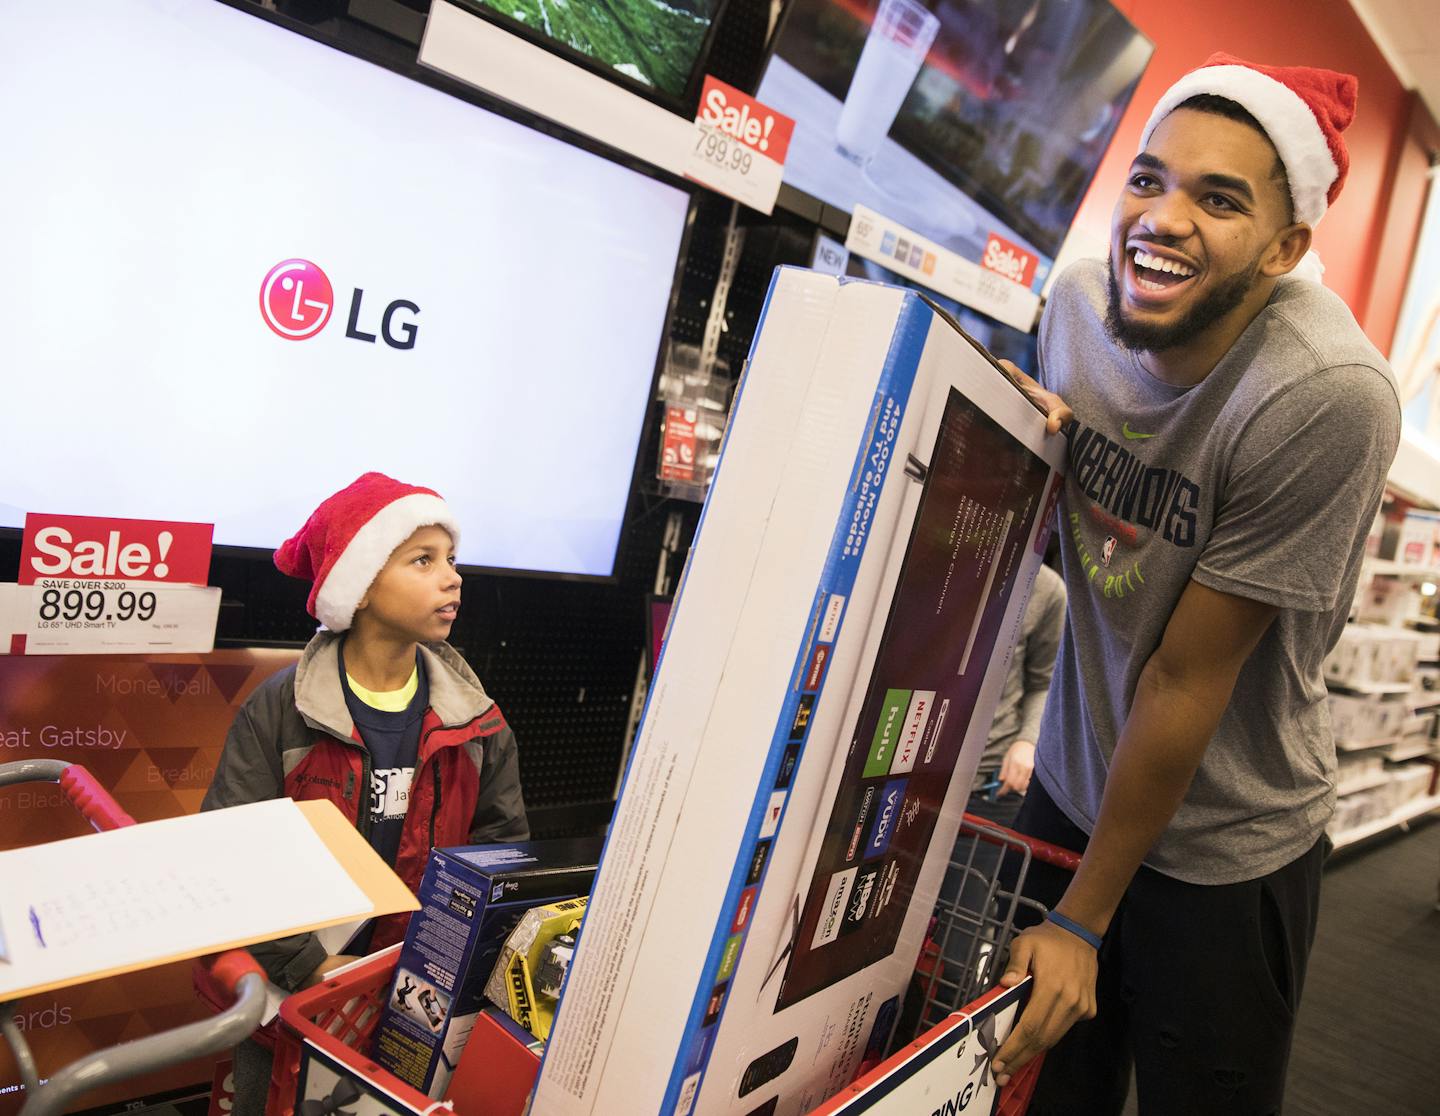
(887, 733)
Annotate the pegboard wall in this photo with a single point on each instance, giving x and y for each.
(561, 657)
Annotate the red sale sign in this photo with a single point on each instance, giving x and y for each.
(677, 455)
(78, 546)
(739, 146)
(763, 129)
(1009, 260)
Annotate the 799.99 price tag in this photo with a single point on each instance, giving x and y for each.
(738, 147)
(721, 150)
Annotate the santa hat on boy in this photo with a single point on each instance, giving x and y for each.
(348, 539)
(1303, 111)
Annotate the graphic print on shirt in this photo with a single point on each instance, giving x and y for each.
(1129, 503)
(390, 792)
(1127, 488)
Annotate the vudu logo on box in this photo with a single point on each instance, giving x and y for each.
(296, 300)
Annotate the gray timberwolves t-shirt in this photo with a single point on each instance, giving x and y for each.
(1260, 481)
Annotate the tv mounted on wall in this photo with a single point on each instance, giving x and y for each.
(245, 267)
(957, 118)
(654, 47)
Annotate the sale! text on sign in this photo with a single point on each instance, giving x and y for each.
(77, 546)
(739, 146)
(1009, 260)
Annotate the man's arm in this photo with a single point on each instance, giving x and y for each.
(1179, 698)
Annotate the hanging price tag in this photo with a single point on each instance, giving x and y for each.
(738, 147)
(91, 586)
(997, 288)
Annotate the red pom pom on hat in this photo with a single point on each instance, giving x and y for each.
(348, 539)
(1303, 110)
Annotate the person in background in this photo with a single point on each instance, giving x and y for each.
(1229, 431)
(380, 716)
(1009, 757)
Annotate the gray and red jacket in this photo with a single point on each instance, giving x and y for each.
(294, 738)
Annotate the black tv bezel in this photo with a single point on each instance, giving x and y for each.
(443, 84)
(810, 200)
(683, 103)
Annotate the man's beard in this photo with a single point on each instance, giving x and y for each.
(1158, 337)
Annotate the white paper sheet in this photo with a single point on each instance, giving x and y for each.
(181, 886)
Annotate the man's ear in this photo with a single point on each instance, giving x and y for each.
(1286, 250)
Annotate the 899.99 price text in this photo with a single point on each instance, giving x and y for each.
(723, 151)
(63, 604)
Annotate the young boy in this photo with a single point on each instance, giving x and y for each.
(380, 716)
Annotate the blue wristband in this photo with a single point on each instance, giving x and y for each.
(1092, 940)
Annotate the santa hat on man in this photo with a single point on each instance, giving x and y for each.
(348, 539)
(1303, 111)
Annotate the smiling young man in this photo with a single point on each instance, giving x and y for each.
(1230, 429)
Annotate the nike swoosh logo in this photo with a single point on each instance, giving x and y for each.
(1131, 435)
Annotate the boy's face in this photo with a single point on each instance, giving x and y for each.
(417, 595)
(1196, 228)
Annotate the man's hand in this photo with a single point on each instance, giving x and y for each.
(1064, 968)
(334, 961)
(1057, 411)
(1016, 768)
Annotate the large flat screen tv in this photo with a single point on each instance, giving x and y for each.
(957, 118)
(243, 267)
(655, 47)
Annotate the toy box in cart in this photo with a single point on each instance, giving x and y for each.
(837, 647)
(471, 898)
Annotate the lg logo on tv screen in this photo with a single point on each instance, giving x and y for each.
(297, 300)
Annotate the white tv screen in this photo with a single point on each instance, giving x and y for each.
(243, 268)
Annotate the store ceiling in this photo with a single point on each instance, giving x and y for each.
(1408, 33)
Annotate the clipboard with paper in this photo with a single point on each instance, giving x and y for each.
(144, 895)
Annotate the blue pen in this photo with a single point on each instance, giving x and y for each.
(35, 925)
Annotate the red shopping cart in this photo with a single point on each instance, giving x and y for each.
(236, 972)
(961, 962)
(974, 923)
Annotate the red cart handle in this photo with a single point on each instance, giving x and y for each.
(224, 970)
(92, 800)
(1043, 851)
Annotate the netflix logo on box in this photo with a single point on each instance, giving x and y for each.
(1009, 260)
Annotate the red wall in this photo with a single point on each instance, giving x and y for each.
(1385, 154)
